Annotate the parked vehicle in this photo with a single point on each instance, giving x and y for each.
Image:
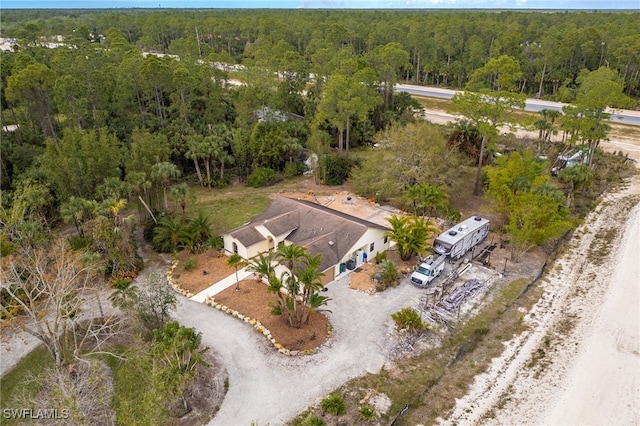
(457, 241)
(428, 270)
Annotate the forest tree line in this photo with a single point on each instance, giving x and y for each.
(444, 47)
(99, 118)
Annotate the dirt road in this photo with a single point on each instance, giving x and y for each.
(579, 363)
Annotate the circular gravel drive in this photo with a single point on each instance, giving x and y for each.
(269, 388)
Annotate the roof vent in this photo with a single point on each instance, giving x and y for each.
(331, 243)
(453, 233)
(478, 218)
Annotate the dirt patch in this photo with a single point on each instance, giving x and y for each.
(253, 300)
(205, 393)
(197, 271)
(298, 195)
(349, 203)
(362, 278)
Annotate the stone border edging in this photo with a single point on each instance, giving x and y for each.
(210, 300)
(173, 283)
(257, 325)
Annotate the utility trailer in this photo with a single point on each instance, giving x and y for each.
(457, 241)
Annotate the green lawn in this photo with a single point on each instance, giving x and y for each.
(232, 206)
(21, 382)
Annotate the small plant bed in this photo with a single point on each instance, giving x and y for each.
(254, 301)
(197, 271)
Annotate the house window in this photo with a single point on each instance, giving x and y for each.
(235, 248)
(371, 246)
(386, 240)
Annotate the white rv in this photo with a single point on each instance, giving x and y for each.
(458, 240)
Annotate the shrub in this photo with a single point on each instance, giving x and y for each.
(337, 168)
(190, 264)
(216, 242)
(293, 168)
(78, 243)
(381, 256)
(276, 309)
(334, 404)
(408, 319)
(119, 283)
(388, 277)
(9, 307)
(171, 234)
(312, 420)
(263, 176)
(6, 246)
(219, 182)
(367, 412)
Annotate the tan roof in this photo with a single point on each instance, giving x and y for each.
(318, 228)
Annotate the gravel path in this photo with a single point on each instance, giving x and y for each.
(269, 388)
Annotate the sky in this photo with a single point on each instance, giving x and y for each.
(326, 4)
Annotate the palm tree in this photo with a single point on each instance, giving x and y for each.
(196, 150)
(125, 294)
(164, 172)
(290, 145)
(466, 136)
(575, 177)
(139, 183)
(410, 235)
(200, 230)
(78, 210)
(262, 265)
(234, 261)
(302, 282)
(113, 206)
(216, 149)
(181, 193)
(170, 234)
(290, 254)
(310, 280)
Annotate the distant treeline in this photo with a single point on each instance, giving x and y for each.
(445, 47)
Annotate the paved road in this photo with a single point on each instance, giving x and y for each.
(533, 105)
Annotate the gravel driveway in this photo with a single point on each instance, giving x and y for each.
(268, 388)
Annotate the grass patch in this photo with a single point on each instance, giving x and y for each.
(20, 383)
(435, 103)
(137, 397)
(229, 209)
(602, 245)
(235, 205)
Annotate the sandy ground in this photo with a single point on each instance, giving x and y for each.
(579, 363)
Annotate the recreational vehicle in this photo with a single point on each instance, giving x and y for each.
(458, 240)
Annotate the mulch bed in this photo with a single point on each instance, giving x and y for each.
(253, 300)
(208, 268)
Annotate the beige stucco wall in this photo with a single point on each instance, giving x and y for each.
(375, 236)
(245, 252)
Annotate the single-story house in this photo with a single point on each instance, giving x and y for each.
(344, 241)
